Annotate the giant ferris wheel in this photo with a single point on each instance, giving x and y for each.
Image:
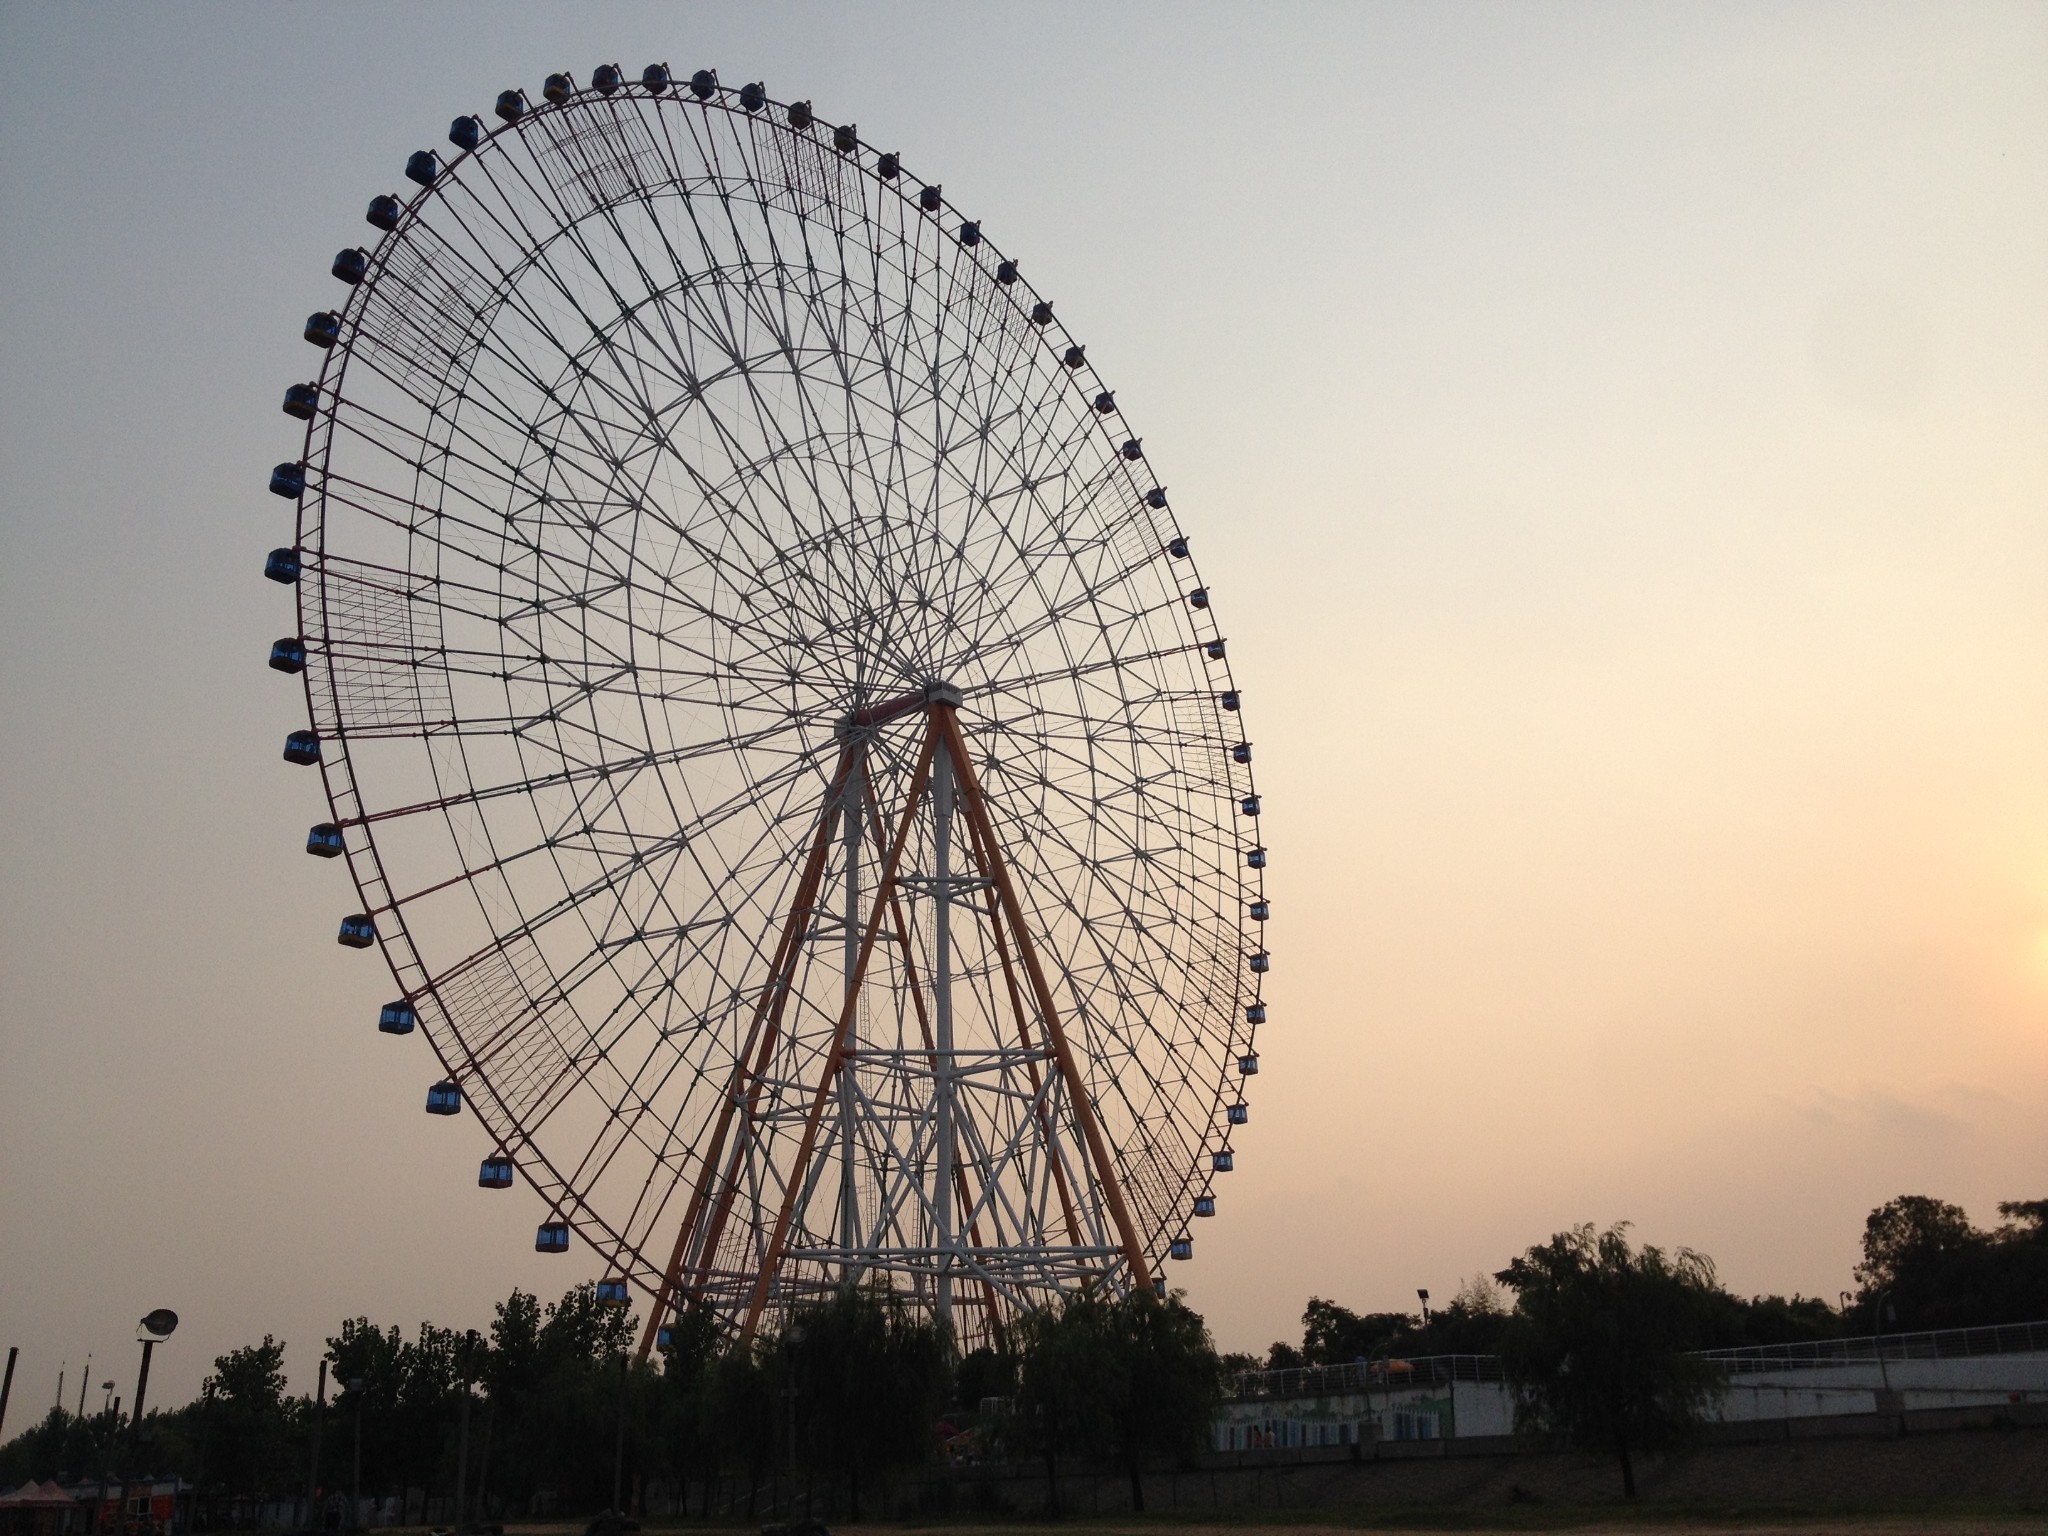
(769, 712)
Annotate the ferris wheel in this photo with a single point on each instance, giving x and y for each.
(770, 715)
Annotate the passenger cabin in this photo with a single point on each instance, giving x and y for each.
(302, 747)
(302, 400)
(324, 841)
(1181, 1248)
(288, 481)
(422, 166)
(1239, 1113)
(551, 1237)
(444, 1098)
(288, 655)
(465, 133)
(510, 106)
(358, 931)
(1205, 1205)
(1222, 1161)
(495, 1172)
(1262, 962)
(397, 1018)
(1248, 1065)
(1256, 859)
(558, 88)
(606, 78)
(611, 1293)
(384, 211)
(1256, 1014)
(351, 265)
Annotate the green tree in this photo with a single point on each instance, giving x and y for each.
(1169, 1382)
(870, 1377)
(250, 1445)
(1069, 1380)
(1598, 1349)
(1939, 1271)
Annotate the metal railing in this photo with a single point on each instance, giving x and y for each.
(1364, 1376)
(1941, 1344)
(1378, 1375)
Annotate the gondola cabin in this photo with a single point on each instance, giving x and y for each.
(444, 1098)
(397, 1018)
(324, 841)
(288, 655)
(1181, 1248)
(495, 1172)
(303, 748)
(611, 1293)
(358, 931)
(1205, 1205)
(1240, 1113)
(1248, 1065)
(1222, 1162)
(551, 1237)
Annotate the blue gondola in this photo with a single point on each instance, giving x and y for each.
(799, 115)
(929, 198)
(422, 166)
(351, 265)
(611, 1293)
(1261, 910)
(1239, 1113)
(1241, 753)
(664, 1337)
(889, 166)
(466, 132)
(1156, 498)
(1133, 450)
(1205, 1205)
(303, 748)
(1222, 1162)
(1181, 1248)
(606, 78)
(1248, 1065)
(753, 96)
(288, 481)
(384, 211)
(324, 841)
(1006, 272)
(302, 400)
(1249, 805)
(1256, 859)
(444, 1098)
(703, 83)
(552, 1237)
(558, 88)
(510, 105)
(494, 1172)
(1199, 598)
(358, 931)
(1256, 1014)
(288, 655)
(323, 329)
(1178, 548)
(1105, 402)
(1215, 650)
(654, 78)
(846, 138)
(1262, 962)
(970, 233)
(397, 1018)
(282, 565)
(1076, 355)
(1041, 312)
(1231, 699)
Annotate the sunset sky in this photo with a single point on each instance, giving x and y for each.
(1618, 440)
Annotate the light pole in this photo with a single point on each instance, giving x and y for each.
(1883, 1305)
(1424, 1295)
(313, 1460)
(160, 1324)
(355, 1483)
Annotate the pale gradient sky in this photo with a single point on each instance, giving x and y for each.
(1618, 438)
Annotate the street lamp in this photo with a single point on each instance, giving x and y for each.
(1425, 1305)
(355, 1486)
(160, 1324)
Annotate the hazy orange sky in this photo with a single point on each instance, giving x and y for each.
(1616, 438)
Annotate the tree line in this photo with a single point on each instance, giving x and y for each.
(858, 1394)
